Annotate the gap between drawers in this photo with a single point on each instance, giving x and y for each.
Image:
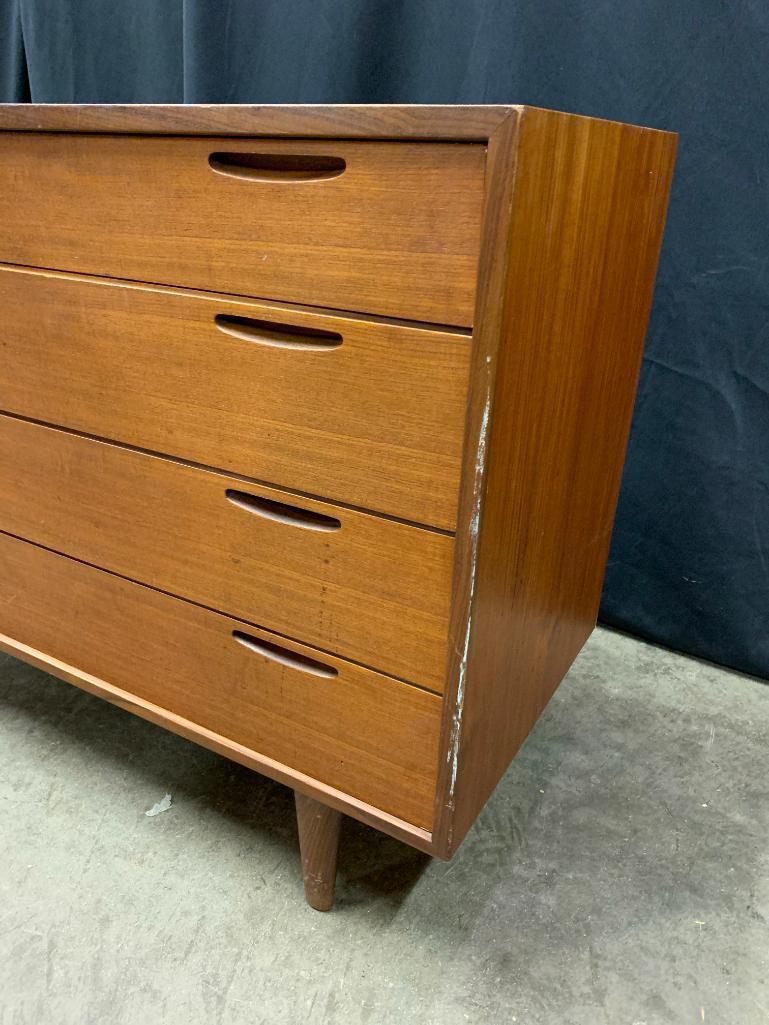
(227, 473)
(225, 615)
(211, 294)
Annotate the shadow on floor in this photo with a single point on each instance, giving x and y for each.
(370, 863)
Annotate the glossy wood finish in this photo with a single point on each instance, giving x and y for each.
(370, 589)
(286, 774)
(337, 121)
(562, 339)
(376, 422)
(513, 438)
(319, 828)
(397, 233)
(356, 731)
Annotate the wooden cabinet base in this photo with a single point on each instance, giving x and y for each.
(312, 423)
(319, 828)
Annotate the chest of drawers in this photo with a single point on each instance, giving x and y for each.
(312, 422)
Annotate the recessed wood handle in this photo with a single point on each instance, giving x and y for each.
(277, 167)
(281, 512)
(266, 333)
(285, 656)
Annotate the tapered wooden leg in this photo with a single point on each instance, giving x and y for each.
(318, 842)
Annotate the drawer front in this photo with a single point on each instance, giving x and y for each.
(386, 227)
(367, 735)
(361, 412)
(370, 589)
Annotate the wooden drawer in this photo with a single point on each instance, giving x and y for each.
(373, 737)
(375, 421)
(385, 227)
(367, 588)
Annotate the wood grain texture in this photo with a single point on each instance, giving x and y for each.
(376, 422)
(571, 224)
(342, 121)
(359, 732)
(334, 798)
(398, 233)
(319, 828)
(374, 590)
(564, 341)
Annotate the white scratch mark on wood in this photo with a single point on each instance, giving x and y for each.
(475, 519)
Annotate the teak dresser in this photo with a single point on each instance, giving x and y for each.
(312, 422)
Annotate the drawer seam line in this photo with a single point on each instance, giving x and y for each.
(232, 474)
(225, 615)
(211, 295)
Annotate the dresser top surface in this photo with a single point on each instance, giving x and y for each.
(471, 123)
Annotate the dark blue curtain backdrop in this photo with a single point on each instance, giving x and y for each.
(689, 563)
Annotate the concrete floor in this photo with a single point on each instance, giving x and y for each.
(619, 875)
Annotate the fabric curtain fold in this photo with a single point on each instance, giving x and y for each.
(14, 83)
(689, 565)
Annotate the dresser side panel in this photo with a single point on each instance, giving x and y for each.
(588, 210)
